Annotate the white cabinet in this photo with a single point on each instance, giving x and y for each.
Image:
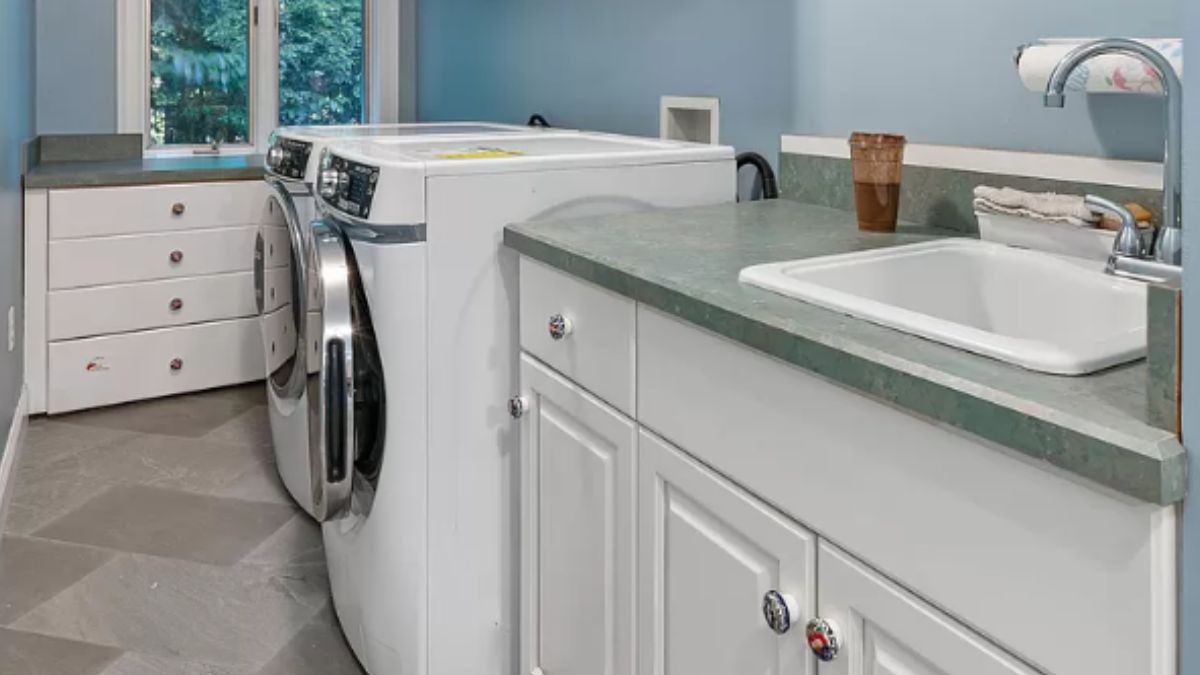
(708, 555)
(578, 458)
(884, 630)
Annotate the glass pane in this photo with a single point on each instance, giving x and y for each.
(199, 71)
(320, 61)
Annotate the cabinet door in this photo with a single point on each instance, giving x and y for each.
(884, 630)
(578, 530)
(708, 555)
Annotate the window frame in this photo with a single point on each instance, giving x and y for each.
(388, 77)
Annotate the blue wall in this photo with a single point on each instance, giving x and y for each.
(16, 126)
(76, 66)
(938, 70)
(1190, 596)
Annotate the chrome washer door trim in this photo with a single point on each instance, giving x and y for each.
(300, 254)
(332, 435)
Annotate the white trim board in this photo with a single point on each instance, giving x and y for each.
(12, 451)
(1145, 175)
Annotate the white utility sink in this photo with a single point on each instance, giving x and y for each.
(1041, 311)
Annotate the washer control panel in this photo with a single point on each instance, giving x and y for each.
(348, 186)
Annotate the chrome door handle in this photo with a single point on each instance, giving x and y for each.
(176, 365)
(176, 256)
(517, 407)
(176, 304)
(178, 208)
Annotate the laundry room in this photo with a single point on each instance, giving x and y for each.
(646, 337)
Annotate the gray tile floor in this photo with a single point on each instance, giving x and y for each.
(156, 539)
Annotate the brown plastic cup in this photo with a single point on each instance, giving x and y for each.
(878, 161)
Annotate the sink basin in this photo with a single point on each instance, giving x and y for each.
(1040, 311)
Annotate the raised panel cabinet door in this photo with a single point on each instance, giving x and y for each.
(709, 555)
(883, 629)
(579, 466)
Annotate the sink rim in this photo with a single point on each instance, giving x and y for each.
(1043, 356)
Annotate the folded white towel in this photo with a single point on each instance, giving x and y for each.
(1047, 206)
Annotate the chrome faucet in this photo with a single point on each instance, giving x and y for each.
(1168, 244)
(1129, 258)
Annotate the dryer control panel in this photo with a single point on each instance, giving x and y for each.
(348, 186)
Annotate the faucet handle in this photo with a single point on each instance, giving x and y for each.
(1129, 242)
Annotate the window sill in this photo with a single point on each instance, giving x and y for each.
(189, 151)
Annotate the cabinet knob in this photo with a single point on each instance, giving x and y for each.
(560, 327)
(176, 256)
(176, 364)
(176, 304)
(824, 638)
(517, 407)
(178, 208)
(779, 610)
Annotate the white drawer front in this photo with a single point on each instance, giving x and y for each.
(597, 352)
(79, 263)
(156, 304)
(95, 212)
(107, 370)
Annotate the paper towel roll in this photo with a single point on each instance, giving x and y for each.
(1110, 73)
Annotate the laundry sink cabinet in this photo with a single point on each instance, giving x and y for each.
(692, 507)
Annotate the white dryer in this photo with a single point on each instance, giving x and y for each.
(414, 451)
(291, 163)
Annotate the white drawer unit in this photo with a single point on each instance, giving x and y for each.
(96, 212)
(581, 330)
(122, 282)
(76, 263)
(130, 366)
(131, 307)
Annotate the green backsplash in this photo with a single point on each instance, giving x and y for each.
(931, 197)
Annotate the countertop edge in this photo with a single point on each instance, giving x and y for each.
(36, 181)
(1158, 467)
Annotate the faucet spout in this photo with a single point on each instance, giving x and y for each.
(1168, 245)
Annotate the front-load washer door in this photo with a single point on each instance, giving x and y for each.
(346, 399)
(282, 295)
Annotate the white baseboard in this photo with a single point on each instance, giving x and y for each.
(1145, 175)
(13, 447)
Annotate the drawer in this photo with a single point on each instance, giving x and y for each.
(97, 212)
(78, 263)
(597, 350)
(157, 304)
(131, 366)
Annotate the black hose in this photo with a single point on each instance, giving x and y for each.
(766, 175)
(537, 120)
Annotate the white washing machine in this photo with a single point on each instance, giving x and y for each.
(291, 164)
(414, 451)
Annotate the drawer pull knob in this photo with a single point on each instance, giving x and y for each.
(824, 638)
(176, 304)
(176, 256)
(560, 327)
(779, 610)
(176, 364)
(178, 208)
(517, 406)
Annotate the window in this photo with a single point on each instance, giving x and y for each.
(200, 72)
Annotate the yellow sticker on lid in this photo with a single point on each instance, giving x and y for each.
(480, 153)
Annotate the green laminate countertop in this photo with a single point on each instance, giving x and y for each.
(685, 262)
(143, 171)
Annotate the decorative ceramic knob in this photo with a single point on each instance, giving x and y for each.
(176, 364)
(517, 406)
(824, 638)
(779, 610)
(176, 304)
(178, 208)
(560, 327)
(176, 256)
